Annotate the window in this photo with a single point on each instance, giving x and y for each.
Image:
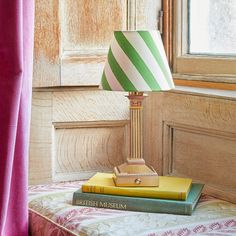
(212, 27)
(204, 41)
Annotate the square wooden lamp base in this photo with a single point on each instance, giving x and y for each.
(135, 173)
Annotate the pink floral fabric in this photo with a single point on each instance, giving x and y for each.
(51, 213)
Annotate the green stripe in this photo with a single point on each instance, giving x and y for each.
(146, 36)
(105, 84)
(120, 74)
(137, 61)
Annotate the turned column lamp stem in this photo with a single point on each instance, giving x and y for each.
(136, 145)
(135, 172)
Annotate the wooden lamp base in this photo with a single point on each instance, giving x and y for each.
(135, 173)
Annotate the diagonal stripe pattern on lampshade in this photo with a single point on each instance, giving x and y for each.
(136, 61)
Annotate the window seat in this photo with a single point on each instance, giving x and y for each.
(51, 213)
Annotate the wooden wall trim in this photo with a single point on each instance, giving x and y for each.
(90, 124)
(205, 84)
(168, 29)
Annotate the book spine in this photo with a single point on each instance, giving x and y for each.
(131, 204)
(133, 193)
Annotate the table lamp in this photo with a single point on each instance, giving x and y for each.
(136, 63)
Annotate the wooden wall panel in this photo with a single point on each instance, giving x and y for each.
(90, 106)
(83, 70)
(152, 130)
(147, 14)
(46, 44)
(87, 29)
(87, 25)
(200, 111)
(40, 164)
(83, 149)
(75, 134)
(208, 156)
(199, 140)
(89, 120)
(72, 37)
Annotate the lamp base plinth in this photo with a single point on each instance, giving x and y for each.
(135, 173)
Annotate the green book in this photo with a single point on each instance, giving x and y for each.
(153, 205)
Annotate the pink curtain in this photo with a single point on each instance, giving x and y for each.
(16, 50)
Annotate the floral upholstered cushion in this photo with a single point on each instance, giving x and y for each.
(51, 213)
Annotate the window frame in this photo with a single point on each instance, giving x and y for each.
(193, 70)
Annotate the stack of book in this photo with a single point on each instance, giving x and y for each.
(174, 195)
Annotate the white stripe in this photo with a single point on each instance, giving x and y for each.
(111, 79)
(157, 38)
(128, 67)
(150, 61)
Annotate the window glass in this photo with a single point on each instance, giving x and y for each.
(212, 27)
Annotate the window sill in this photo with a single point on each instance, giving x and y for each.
(206, 81)
(217, 93)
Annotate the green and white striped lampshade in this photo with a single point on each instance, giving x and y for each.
(136, 62)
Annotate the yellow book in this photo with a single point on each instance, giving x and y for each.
(169, 187)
